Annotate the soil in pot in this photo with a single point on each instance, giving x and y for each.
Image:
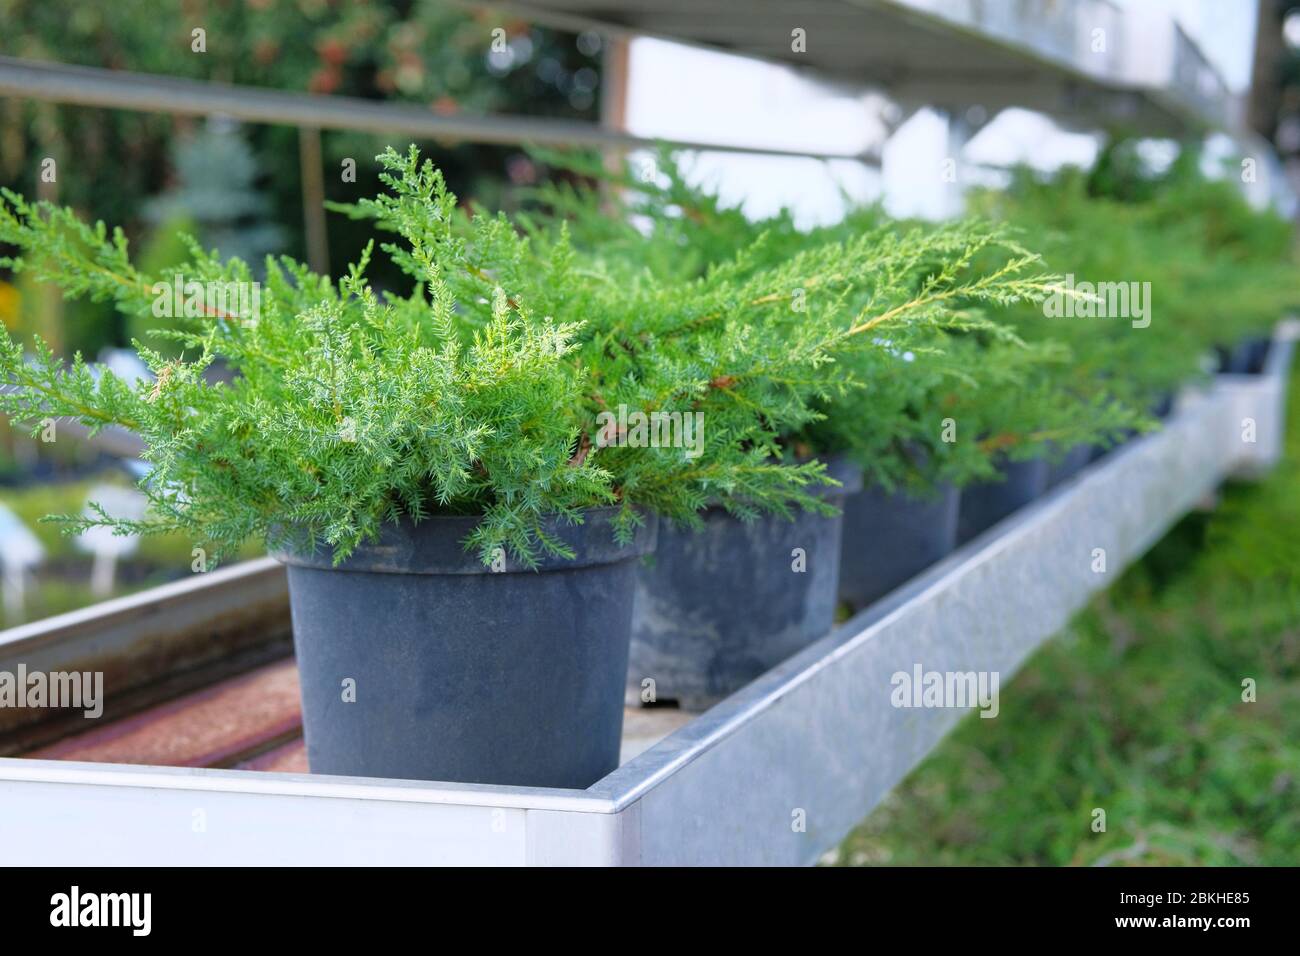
(419, 662)
(890, 537)
(985, 503)
(716, 608)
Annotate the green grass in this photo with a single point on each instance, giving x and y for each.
(1137, 709)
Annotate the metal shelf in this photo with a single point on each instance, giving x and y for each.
(815, 738)
(1075, 59)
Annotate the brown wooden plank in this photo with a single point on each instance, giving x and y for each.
(216, 727)
(286, 758)
(150, 643)
(123, 702)
(254, 722)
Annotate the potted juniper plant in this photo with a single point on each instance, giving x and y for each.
(731, 594)
(460, 520)
(914, 457)
(1190, 265)
(668, 352)
(460, 580)
(1036, 408)
(921, 427)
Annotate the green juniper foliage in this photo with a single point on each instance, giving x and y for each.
(346, 412)
(1218, 270)
(721, 288)
(481, 391)
(963, 366)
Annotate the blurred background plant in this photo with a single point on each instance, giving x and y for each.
(117, 166)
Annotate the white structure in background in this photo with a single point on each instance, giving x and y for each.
(107, 547)
(689, 93)
(20, 551)
(125, 364)
(686, 92)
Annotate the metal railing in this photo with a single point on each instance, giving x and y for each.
(119, 89)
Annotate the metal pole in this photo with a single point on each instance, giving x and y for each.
(119, 89)
(311, 164)
(613, 95)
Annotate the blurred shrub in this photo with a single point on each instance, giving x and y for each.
(419, 51)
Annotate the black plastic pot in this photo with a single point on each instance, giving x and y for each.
(890, 537)
(718, 607)
(1223, 359)
(1245, 358)
(985, 503)
(1260, 354)
(1161, 407)
(462, 673)
(1076, 457)
(1256, 354)
(1239, 358)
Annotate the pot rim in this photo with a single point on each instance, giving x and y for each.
(840, 467)
(434, 546)
(844, 470)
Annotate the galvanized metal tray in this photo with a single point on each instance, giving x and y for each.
(776, 774)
